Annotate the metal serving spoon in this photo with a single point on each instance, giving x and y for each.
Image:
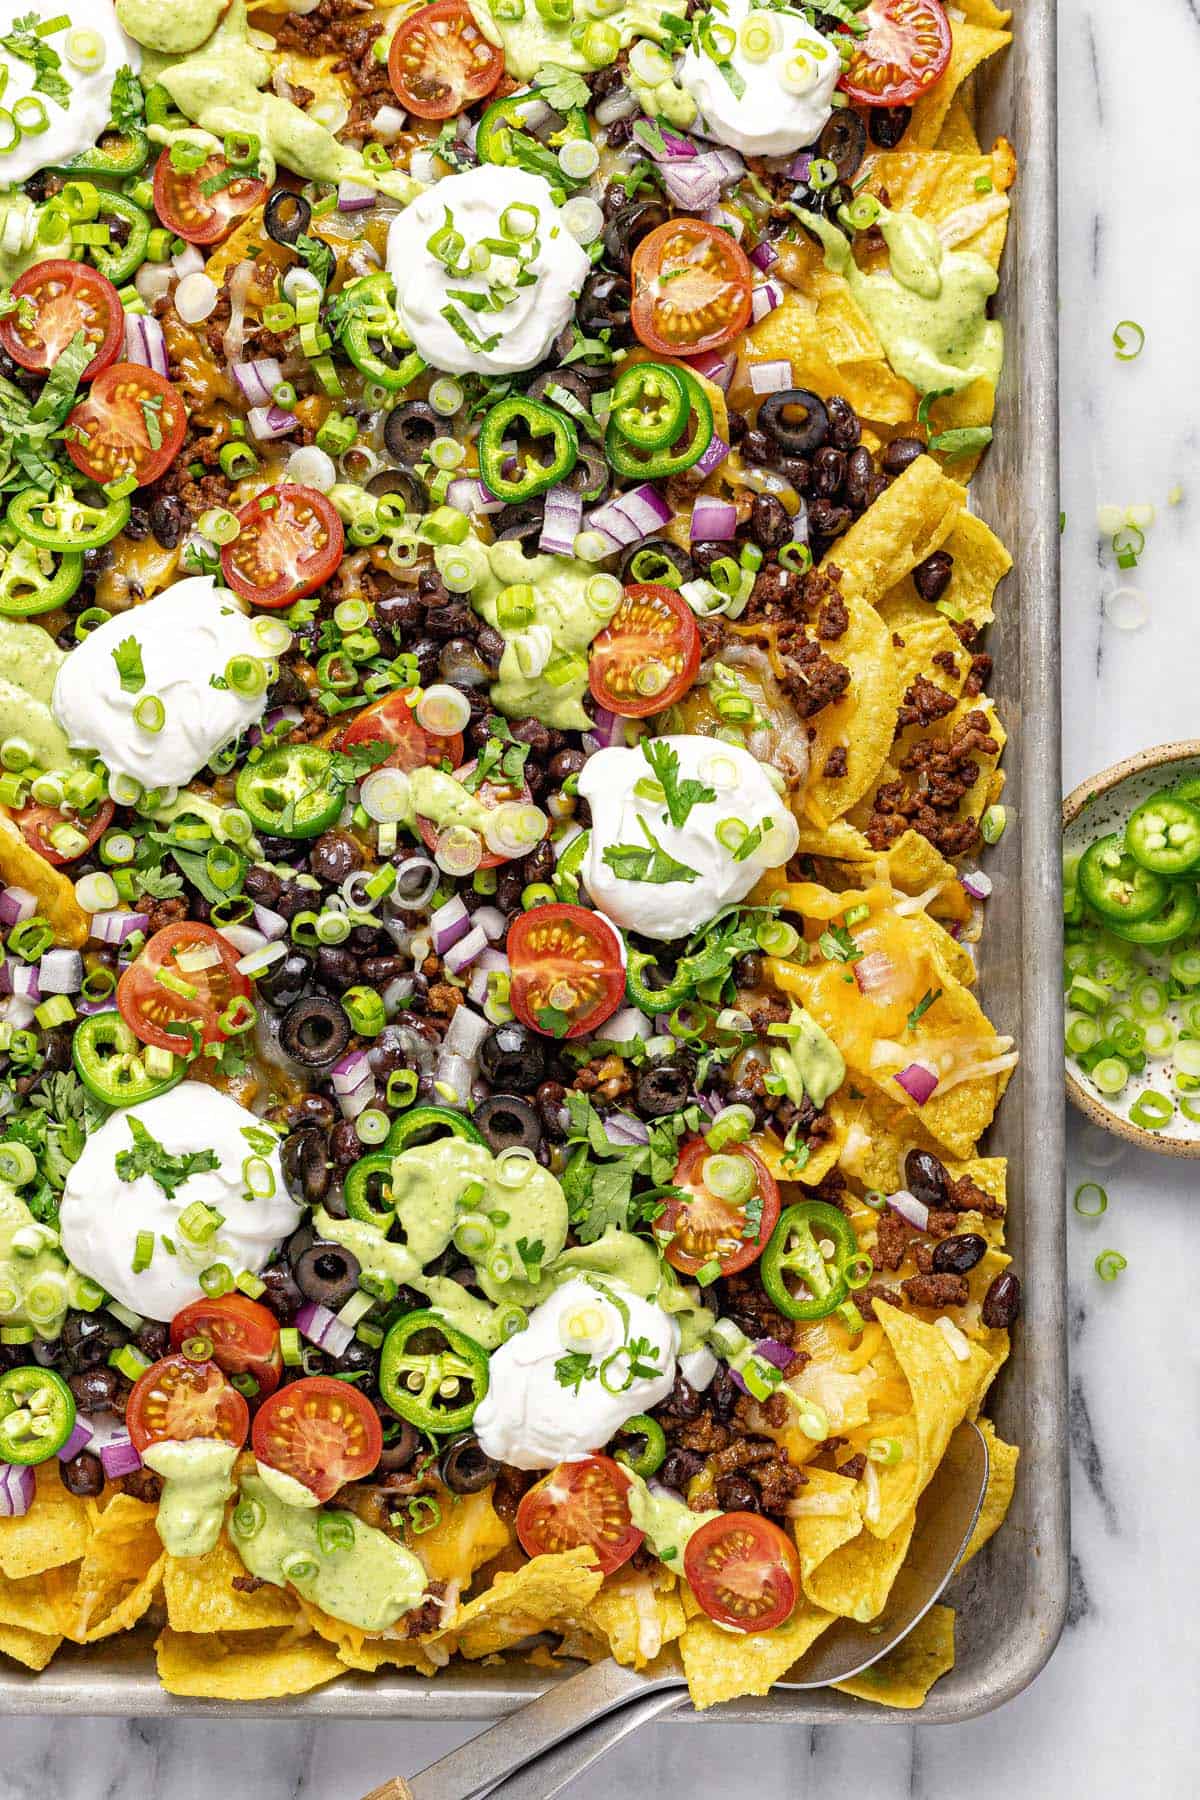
(554, 1738)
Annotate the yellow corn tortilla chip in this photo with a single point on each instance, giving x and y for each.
(469, 1533)
(822, 1157)
(973, 44)
(984, 12)
(832, 349)
(120, 1574)
(1002, 1479)
(245, 1665)
(958, 131)
(831, 1517)
(863, 721)
(905, 1675)
(32, 1603)
(980, 564)
(907, 523)
(33, 1648)
(941, 187)
(521, 1603)
(388, 1653)
(725, 1665)
(912, 864)
(200, 1595)
(637, 1612)
(923, 633)
(21, 866)
(855, 1580)
(943, 1390)
(54, 1531)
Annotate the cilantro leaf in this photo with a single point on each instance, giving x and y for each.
(629, 862)
(128, 658)
(54, 1124)
(158, 883)
(836, 945)
(922, 1007)
(127, 108)
(316, 256)
(681, 796)
(562, 88)
(531, 1254)
(27, 46)
(572, 1370)
(552, 1020)
(149, 1157)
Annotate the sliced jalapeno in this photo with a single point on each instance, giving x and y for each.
(432, 1374)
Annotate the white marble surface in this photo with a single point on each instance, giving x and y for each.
(1114, 1716)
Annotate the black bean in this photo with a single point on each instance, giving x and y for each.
(262, 886)
(926, 1178)
(1002, 1302)
(826, 519)
(334, 856)
(932, 577)
(153, 1339)
(169, 520)
(83, 1475)
(327, 1274)
(87, 1338)
(684, 1402)
(958, 1255)
(337, 967)
(345, 1145)
(844, 142)
(724, 1391)
(828, 471)
(94, 1389)
(280, 1292)
(888, 124)
(551, 1096)
(770, 522)
(758, 448)
(285, 980)
(565, 763)
(900, 453)
(356, 1359)
(860, 472)
(736, 1494)
(679, 1466)
(399, 612)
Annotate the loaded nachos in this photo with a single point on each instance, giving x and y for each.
(494, 763)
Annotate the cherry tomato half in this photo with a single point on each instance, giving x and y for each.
(130, 423)
(744, 1571)
(580, 1503)
(691, 288)
(440, 61)
(707, 1227)
(201, 217)
(489, 794)
(180, 1399)
(646, 657)
(568, 973)
(67, 297)
(319, 1431)
(149, 1004)
(244, 1336)
(291, 540)
(392, 721)
(905, 50)
(37, 822)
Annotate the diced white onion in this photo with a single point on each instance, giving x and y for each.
(195, 298)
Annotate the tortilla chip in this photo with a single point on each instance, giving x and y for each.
(120, 1573)
(973, 44)
(637, 1612)
(200, 1595)
(924, 634)
(725, 1665)
(54, 1531)
(843, 857)
(469, 1533)
(984, 12)
(33, 1648)
(519, 1604)
(940, 187)
(905, 1675)
(32, 1603)
(21, 866)
(245, 1665)
(958, 132)
(832, 1516)
(855, 1580)
(831, 347)
(863, 721)
(389, 1653)
(907, 523)
(822, 1157)
(980, 564)
(943, 1390)
(1002, 1479)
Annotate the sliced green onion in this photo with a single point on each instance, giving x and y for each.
(150, 714)
(1129, 339)
(1109, 1263)
(1096, 1200)
(1152, 1110)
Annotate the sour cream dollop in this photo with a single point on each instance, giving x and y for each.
(76, 121)
(477, 204)
(186, 636)
(102, 1214)
(706, 842)
(530, 1419)
(789, 71)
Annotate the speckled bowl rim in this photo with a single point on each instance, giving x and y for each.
(1184, 750)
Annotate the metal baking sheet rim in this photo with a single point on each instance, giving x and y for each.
(1012, 1604)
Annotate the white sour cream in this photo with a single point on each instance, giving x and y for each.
(530, 1419)
(187, 635)
(76, 123)
(788, 94)
(101, 1214)
(674, 909)
(473, 203)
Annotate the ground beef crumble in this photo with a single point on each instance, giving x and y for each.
(944, 771)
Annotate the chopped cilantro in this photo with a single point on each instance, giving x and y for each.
(561, 88)
(25, 43)
(629, 862)
(922, 1007)
(149, 1157)
(680, 796)
(128, 658)
(836, 945)
(572, 1370)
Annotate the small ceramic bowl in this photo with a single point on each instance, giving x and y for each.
(1101, 804)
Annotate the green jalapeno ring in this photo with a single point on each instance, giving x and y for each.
(423, 1123)
(540, 422)
(413, 1373)
(649, 1459)
(794, 1249)
(359, 1189)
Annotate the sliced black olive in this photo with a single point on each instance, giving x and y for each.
(561, 378)
(626, 229)
(88, 1338)
(797, 437)
(410, 430)
(399, 1451)
(306, 1165)
(465, 1467)
(664, 1087)
(403, 482)
(508, 1122)
(327, 1275)
(314, 1031)
(889, 124)
(522, 523)
(844, 142)
(604, 303)
(649, 561)
(513, 1058)
(286, 216)
(591, 475)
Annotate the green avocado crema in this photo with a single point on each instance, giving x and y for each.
(37, 1283)
(930, 309)
(667, 1523)
(528, 40)
(213, 73)
(809, 1063)
(350, 1570)
(548, 609)
(29, 662)
(197, 1481)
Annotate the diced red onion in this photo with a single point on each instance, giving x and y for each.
(630, 517)
(728, 221)
(259, 379)
(715, 453)
(16, 905)
(81, 1436)
(488, 962)
(713, 520)
(115, 927)
(145, 343)
(764, 256)
(120, 1457)
(800, 167)
(910, 1208)
(60, 972)
(492, 921)
(771, 377)
(977, 884)
(448, 923)
(764, 299)
(694, 185)
(675, 148)
(271, 924)
(620, 104)
(362, 1097)
(351, 1072)
(18, 1484)
(355, 196)
(467, 494)
(726, 162)
(772, 1351)
(270, 422)
(461, 955)
(464, 1034)
(16, 1012)
(397, 994)
(714, 367)
(323, 1328)
(19, 979)
(918, 1082)
(874, 970)
(561, 520)
(243, 938)
(609, 729)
